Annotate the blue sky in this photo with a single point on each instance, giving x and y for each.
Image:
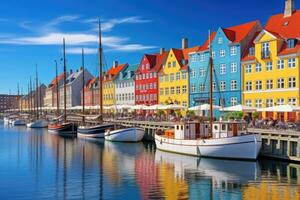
(32, 30)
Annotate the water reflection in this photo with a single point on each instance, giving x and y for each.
(38, 165)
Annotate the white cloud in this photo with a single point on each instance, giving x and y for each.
(78, 50)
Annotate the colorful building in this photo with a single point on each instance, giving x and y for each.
(271, 64)
(125, 87)
(51, 91)
(227, 47)
(91, 92)
(146, 78)
(174, 76)
(109, 92)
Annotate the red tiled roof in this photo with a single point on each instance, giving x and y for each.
(241, 31)
(285, 51)
(160, 60)
(206, 44)
(288, 27)
(183, 54)
(246, 56)
(113, 71)
(58, 78)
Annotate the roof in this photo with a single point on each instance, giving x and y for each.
(113, 71)
(246, 56)
(157, 60)
(206, 43)
(54, 81)
(183, 54)
(241, 31)
(285, 51)
(286, 27)
(129, 68)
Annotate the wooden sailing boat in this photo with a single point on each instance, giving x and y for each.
(218, 139)
(64, 128)
(96, 131)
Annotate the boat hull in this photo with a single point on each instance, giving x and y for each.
(38, 124)
(239, 147)
(125, 135)
(93, 131)
(65, 129)
(18, 122)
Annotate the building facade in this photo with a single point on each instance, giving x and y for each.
(125, 86)
(51, 91)
(8, 102)
(174, 76)
(146, 78)
(91, 93)
(109, 90)
(73, 87)
(227, 47)
(271, 64)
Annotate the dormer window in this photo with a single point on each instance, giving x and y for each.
(121, 75)
(220, 40)
(251, 51)
(291, 43)
(183, 62)
(128, 74)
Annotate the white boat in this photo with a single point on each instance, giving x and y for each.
(38, 124)
(228, 140)
(18, 122)
(125, 135)
(6, 120)
(96, 131)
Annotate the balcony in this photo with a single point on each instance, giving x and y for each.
(265, 55)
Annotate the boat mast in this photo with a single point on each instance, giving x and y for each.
(100, 73)
(210, 87)
(30, 97)
(57, 89)
(41, 104)
(83, 92)
(18, 98)
(65, 81)
(37, 94)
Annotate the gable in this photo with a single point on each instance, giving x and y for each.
(264, 36)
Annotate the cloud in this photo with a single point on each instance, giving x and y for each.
(78, 50)
(131, 47)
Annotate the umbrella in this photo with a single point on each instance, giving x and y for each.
(239, 108)
(281, 108)
(203, 107)
(174, 107)
(139, 107)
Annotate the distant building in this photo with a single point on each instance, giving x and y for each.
(33, 99)
(125, 87)
(51, 91)
(73, 88)
(8, 102)
(91, 92)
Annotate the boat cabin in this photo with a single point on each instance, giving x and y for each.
(196, 130)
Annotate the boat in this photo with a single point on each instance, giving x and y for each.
(59, 127)
(96, 131)
(218, 139)
(229, 140)
(40, 123)
(18, 122)
(125, 135)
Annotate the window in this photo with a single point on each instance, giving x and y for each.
(178, 90)
(193, 88)
(222, 69)
(167, 91)
(183, 74)
(202, 72)
(233, 67)
(291, 43)
(202, 87)
(169, 64)
(280, 102)
(258, 103)
(265, 50)
(193, 73)
(258, 67)
(178, 76)
(220, 40)
(184, 103)
(251, 51)
(258, 85)
(202, 57)
(269, 102)
(292, 62)
(166, 78)
(222, 53)
(172, 90)
(292, 101)
(269, 66)
(154, 74)
(183, 89)
(233, 51)
(213, 54)
(280, 64)
(280, 83)
(174, 63)
(147, 66)
(248, 86)
(248, 69)
(150, 75)
(233, 101)
(223, 86)
(233, 85)
(292, 82)
(269, 84)
(214, 86)
(248, 102)
(171, 77)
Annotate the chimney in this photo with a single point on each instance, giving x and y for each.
(162, 50)
(71, 71)
(184, 43)
(289, 8)
(115, 64)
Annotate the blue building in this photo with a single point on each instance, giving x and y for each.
(228, 45)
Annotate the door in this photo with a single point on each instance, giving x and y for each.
(234, 129)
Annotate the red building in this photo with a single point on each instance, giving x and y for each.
(91, 92)
(146, 78)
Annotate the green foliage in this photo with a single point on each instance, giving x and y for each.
(160, 112)
(233, 115)
(191, 113)
(255, 115)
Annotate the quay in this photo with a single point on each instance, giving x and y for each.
(279, 144)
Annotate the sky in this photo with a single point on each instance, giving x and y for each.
(31, 31)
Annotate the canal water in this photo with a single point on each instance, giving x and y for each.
(37, 165)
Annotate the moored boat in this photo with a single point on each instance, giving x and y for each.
(228, 140)
(38, 124)
(96, 131)
(18, 122)
(63, 129)
(125, 135)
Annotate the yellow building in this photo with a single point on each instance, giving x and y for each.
(271, 65)
(174, 77)
(109, 84)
